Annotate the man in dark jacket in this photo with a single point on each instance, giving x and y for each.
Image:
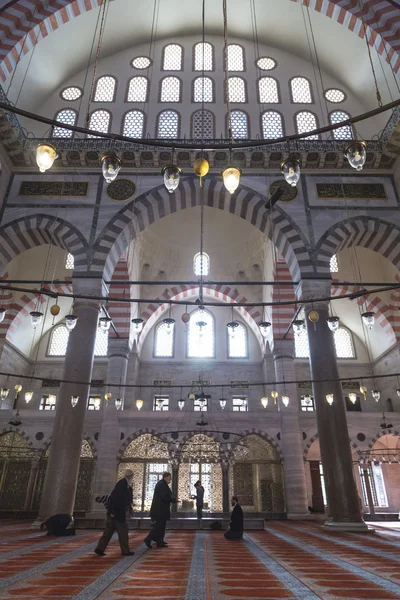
(235, 531)
(160, 511)
(59, 525)
(199, 497)
(119, 503)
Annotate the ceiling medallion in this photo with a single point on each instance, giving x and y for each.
(289, 194)
(121, 190)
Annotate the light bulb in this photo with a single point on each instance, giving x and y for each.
(363, 390)
(70, 322)
(105, 323)
(368, 319)
(285, 400)
(137, 324)
(333, 323)
(353, 397)
(231, 178)
(181, 404)
(46, 154)
(107, 397)
(172, 176)
(110, 166)
(222, 403)
(274, 395)
(264, 401)
(74, 401)
(118, 403)
(376, 395)
(28, 396)
(356, 154)
(291, 171)
(36, 318)
(2, 314)
(264, 328)
(298, 326)
(329, 399)
(139, 403)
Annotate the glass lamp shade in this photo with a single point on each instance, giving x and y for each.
(329, 399)
(4, 393)
(264, 328)
(368, 319)
(264, 401)
(192, 396)
(52, 399)
(285, 400)
(70, 322)
(28, 396)
(139, 403)
(353, 397)
(97, 402)
(74, 401)
(46, 154)
(298, 326)
(110, 166)
(356, 154)
(291, 171)
(231, 178)
(118, 403)
(2, 314)
(172, 176)
(222, 403)
(376, 395)
(232, 326)
(107, 396)
(274, 395)
(185, 317)
(105, 323)
(397, 392)
(170, 323)
(181, 404)
(333, 323)
(201, 325)
(363, 390)
(18, 388)
(36, 318)
(137, 324)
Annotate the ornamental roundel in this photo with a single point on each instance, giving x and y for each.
(121, 190)
(289, 194)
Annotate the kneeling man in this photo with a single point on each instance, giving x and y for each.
(235, 531)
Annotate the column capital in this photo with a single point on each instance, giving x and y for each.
(118, 347)
(312, 289)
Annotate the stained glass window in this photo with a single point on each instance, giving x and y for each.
(343, 133)
(71, 93)
(201, 264)
(69, 261)
(203, 89)
(237, 343)
(335, 95)
(272, 126)
(266, 64)
(203, 50)
(99, 121)
(203, 124)
(161, 403)
(172, 58)
(105, 89)
(168, 124)
(137, 90)
(334, 265)
(141, 62)
(237, 89)
(343, 343)
(164, 341)
(240, 404)
(268, 90)
(301, 90)
(201, 338)
(133, 124)
(170, 89)
(67, 116)
(240, 126)
(59, 341)
(235, 58)
(306, 121)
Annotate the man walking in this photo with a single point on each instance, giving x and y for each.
(199, 500)
(235, 531)
(119, 503)
(160, 511)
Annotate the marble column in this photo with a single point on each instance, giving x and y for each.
(343, 505)
(31, 484)
(291, 435)
(109, 440)
(66, 441)
(225, 488)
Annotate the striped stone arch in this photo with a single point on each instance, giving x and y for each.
(381, 434)
(266, 437)
(20, 430)
(120, 312)
(365, 231)
(353, 446)
(153, 312)
(137, 434)
(158, 203)
(35, 230)
(29, 21)
(43, 447)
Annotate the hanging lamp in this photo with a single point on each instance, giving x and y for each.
(376, 395)
(285, 400)
(70, 322)
(274, 395)
(2, 314)
(368, 319)
(181, 404)
(118, 403)
(291, 171)
(264, 401)
(356, 154)
(333, 323)
(232, 326)
(110, 166)
(172, 176)
(4, 392)
(105, 323)
(298, 326)
(264, 328)
(364, 391)
(353, 397)
(201, 168)
(46, 154)
(74, 401)
(329, 399)
(169, 321)
(231, 178)
(36, 318)
(137, 324)
(28, 396)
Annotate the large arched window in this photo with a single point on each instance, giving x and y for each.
(203, 89)
(203, 124)
(203, 57)
(59, 341)
(268, 90)
(170, 89)
(306, 121)
(343, 344)
(235, 58)
(237, 89)
(300, 89)
(342, 133)
(168, 124)
(237, 343)
(164, 340)
(67, 116)
(272, 126)
(133, 124)
(137, 89)
(100, 121)
(201, 335)
(201, 264)
(105, 89)
(172, 60)
(240, 124)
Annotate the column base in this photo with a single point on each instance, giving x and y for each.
(300, 516)
(356, 527)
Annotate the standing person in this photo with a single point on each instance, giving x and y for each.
(160, 511)
(119, 504)
(235, 531)
(199, 500)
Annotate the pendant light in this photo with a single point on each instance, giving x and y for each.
(52, 399)
(222, 403)
(169, 322)
(368, 319)
(329, 399)
(181, 404)
(363, 390)
(118, 403)
(172, 176)
(376, 395)
(97, 402)
(139, 403)
(201, 168)
(55, 310)
(285, 400)
(186, 316)
(274, 395)
(231, 177)
(110, 166)
(353, 397)
(333, 323)
(105, 323)
(291, 171)
(46, 154)
(107, 397)
(264, 401)
(4, 392)
(232, 326)
(397, 392)
(298, 326)
(264, 328)
(74, 401)
(28, 396)
(70, 322)
(18, 388)
(36, 318)
(137, 324)
(192, 396)
(356, 154)
(2, 314)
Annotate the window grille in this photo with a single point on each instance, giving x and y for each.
(59, 341)
(306, 121)
(161, 403)
(237, 344)
(101, 343)
(240, 404)
(203, 124)
(70, 261)
(235, 58)
(334, 95)
(99, 121)
(168, 124)
(307, 403)
(301, 90)
(172, 58)
(105, 89)
(164, 341)
(133, 124)
(137, 90)
(207, 52)
(301, 345)
(268, 90)
(92, 405)
(203, 89)
(334, 265)
(377, 485)
(67, 116)
(343, 133)
(71, 93)
(272, 126)
(141, 62)
(170, 89)
(201, 264)
(266, 64)
(343, 343)
(200, 406)
(46, 403)
(240, 127)
(236, 89)
(201, 340)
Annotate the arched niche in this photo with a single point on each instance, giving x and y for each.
(16, 455)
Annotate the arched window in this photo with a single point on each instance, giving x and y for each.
(237, 89)
(237, 343)
(203, 53)
(342, 133)
(170, 89)
(137, 89)
(301, 348)
(69, 261)
(164, 341)
(203, 124)
(268, 90)
(201, 342)
(334, 265)
(201, 264)
(67, 116)
(235, 58)
(272, 126)
(306, 121)
(301, 90)
(344, 343)
(203, 89)
(133, 124)
(59, 341)
(105, 89)
(240, 125)
(168, 124)
(100, 121)
(172, 58)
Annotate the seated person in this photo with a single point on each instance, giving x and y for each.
(59, 525)
(235, 531)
